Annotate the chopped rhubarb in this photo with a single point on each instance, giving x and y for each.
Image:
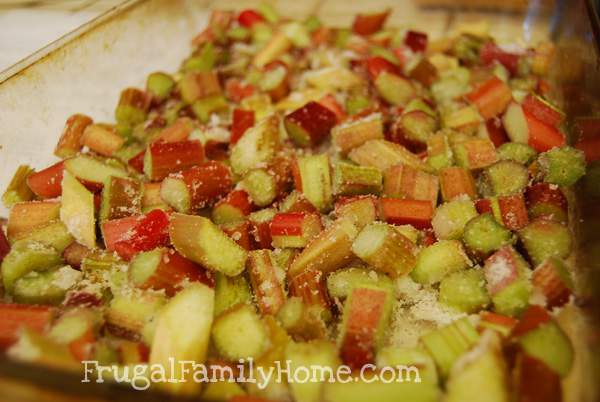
(491, 53)
(163, 158)
(310, 286)
(47, 182)
(552, 279)
(164, 268)
(249, 17)
(102, 139)
(197, 187)
(137, 162)
(377, 64)
(367, 24)
(403, 181)
(513, 211)
(310, 124)
(542, 110)
(267, 281)
(69, 143)
(239, 232)
(18, 316)
(535, 381)
(491, 98)
(27, 216)
(233, 207)
(498, 322)
(501, 269)
(416, 41)
(237, 91)
(456, 182)
(398, 211)
(242, 121)
(332, 104)
(543, 137)
(495, 131)
(178, 131)
(294, 229)
(260, 227)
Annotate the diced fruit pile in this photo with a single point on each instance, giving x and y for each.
(295, 192)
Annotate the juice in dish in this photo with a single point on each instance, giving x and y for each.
(367, 200)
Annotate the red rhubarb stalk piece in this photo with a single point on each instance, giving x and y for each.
(249, 17)
(416, 41)
(496, 132)
(377, 64)
(236, 90)
(490, 53)
(532, 318)
(330, 103)
(18, 316)
(543, 137)
(400, 211)
(542, 110)
(137, 162)
(491, 98)
(513, 211)
(367, 24)
(242, 121)
(545, 193)
(310, 286)
(47, 182)
(163, 158)
(501, 269)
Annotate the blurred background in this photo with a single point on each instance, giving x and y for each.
(28, 25)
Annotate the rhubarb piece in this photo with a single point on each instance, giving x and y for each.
(457, 182)
(132, 107)
(242, 120)
(163, 158)
(504, 178)
(310, 124)
(424, 72)
(69, 143)
(361, 210)
(483, 234)
(310, 287)
(179, 130)
(16, 317)
(120, 198)
(542, 338)
(506, 276)
(202, 60)
(394, 89)
(159, 85)
(450, 218)
(547, 201)
(77, 211)
(543, 110)
(183, 334)
(314, 180)
(234, 207)
(403, 181)
(341, 283)
(18, 189)
(385, 249)
(385, 154)
(544, 238)
(262, 186)
(199, 85)
(24, 257)
(203, 108)
(414, 127)
(267, 281)
(38, 350)
(302, 321)
(54, 234)
(330, 250)
(275, 81)
(277, 45)
(350, 135)
(367, 24)
(239, 333)
(513, 212)
(102, 139)
(467, 47)
(377, 64)
(132, 316)
(475, 153)
(27, 216)
(439, 153)
(131, 235)
(249, 17)
(75, 253)
(151, 198)
(535, 381)
(201, 241)
(332, 104)
(260, 222)
(231, 291)
(294, 229)
(258, 145)
(47, 182)
(416, 41)
(525, 128)
(398, 211)
(76, 329)
(552, 279)
(239, 232)
(91, 170)
(562, 166)
(514, 151)
(491, 98)
(350, 179)
(45, 287)
(494, 131)
(480, 372)
(365, 320)
(448, 343)
(466, 119)
(163, 268)
(197, 187)
(465, 291)
(296, 202)
(500, 323)
(438, 260)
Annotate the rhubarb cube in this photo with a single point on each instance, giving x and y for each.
(403, 181)
(294, 229)
(267, 280)
(310, 124)
(163, 158)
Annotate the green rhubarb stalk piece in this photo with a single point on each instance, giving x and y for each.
(504, 178)
(483, 234)
(515, 151)
(257, 146)
(239, 333)
(315, 177)
(77, 211)
(350, 179)
(544, 238)
(18, 190)
(449, 219)
(24, 257)
(562, 166)
(465, 291)
(394, 89)
(45, 287)
(436, 261)
(231, 291)
(160, 85)
(341, 283)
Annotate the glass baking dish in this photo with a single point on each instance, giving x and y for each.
(86, 70)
